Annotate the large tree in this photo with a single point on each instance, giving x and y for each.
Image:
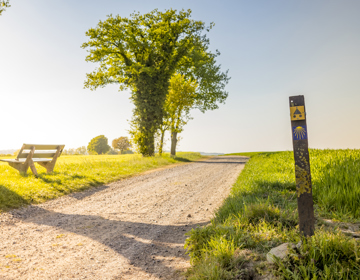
(142, 53)
(3, 5)
(98, 145)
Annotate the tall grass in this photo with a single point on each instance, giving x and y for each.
(75, 173)
(335, 177)
(261, 213)
(336, 180)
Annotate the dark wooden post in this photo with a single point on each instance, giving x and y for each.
(302, 165)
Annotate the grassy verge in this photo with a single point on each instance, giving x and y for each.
(261, 213)
(75, 173)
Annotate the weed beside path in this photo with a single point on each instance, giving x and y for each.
(261, 213)
(75, 173)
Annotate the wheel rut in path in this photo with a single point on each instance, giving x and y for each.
(131, 229)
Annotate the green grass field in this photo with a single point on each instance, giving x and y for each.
(261, 213)
(75, 173)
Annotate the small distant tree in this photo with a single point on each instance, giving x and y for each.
(5, 155)
(81, 151)
(70, 151)
(3, 5)
(98, 145)
(121, 143)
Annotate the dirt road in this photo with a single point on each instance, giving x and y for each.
(131, 229)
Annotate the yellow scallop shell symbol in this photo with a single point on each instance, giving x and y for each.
(299, 132)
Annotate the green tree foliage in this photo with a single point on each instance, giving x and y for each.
(180, 100)
(142, 53)
(3, 5)
(185, 94)
(98, 145)
(121, 143)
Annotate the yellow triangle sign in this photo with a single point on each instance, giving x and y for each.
(297, 113)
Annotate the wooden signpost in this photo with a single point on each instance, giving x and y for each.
(302, 165)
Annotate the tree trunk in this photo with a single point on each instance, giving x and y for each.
(173, 143)
(149, 101)
(148, 142)
(161, 142)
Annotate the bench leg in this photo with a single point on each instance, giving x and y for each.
(48, 165)
(24, 166)
(51, 164)
(21, 167)
(33, 168)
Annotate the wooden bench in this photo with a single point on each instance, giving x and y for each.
(44, 155)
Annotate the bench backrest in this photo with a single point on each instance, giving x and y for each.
(41, 151)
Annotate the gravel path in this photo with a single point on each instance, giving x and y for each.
(130, 229)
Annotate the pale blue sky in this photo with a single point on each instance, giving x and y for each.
(273, 49)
